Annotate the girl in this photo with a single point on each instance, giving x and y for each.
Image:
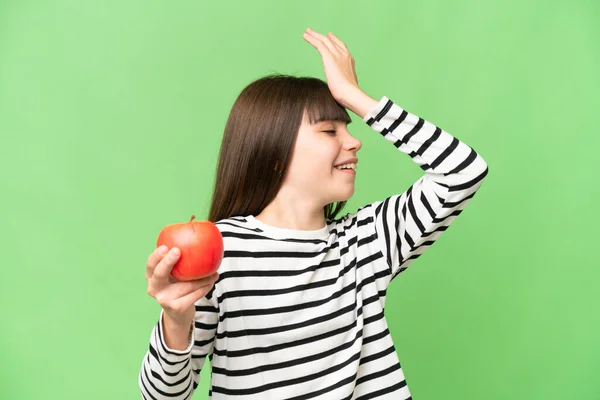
(297, 309)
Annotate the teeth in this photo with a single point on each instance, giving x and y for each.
(347, 166)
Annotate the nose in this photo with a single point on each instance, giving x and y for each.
(352, 143)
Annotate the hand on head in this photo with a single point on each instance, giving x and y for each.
(337, 62)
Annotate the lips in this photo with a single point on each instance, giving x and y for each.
(348, 171)
(352, 160)
(345, 167)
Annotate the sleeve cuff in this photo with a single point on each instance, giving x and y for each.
(172, 352)
(372, 115)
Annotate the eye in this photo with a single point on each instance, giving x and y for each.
(331, 132)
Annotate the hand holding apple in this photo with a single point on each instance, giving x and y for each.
(201, 246)
(181, 271)
(177, 298)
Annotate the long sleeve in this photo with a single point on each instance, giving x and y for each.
(175, 374)
(407, 224)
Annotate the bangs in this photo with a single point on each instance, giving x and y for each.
(321, 106)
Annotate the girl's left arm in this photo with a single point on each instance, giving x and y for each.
(408, 223)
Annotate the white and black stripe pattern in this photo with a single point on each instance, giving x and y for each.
(411, 221)
(300, 314)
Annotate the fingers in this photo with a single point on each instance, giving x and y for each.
(154, 259)
(186, 301)
(320, 42)
(179, 296)
(181, 289)
(317, 44)
(164, 267)
(338, 42)
(169, 295)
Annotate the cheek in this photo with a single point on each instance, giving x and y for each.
(320, 155)
(313, 160)
(311, 170)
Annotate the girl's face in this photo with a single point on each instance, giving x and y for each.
(318, 148)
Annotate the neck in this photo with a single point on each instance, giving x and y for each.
(297, 215)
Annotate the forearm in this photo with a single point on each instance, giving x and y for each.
(408, 223)
(165, 370)
(176, 337)
(451, 163)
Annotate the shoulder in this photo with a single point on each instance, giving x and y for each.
(237, 224)
(239, 234)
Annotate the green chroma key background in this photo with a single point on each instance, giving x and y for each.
(111, 116)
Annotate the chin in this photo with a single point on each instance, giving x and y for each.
(344, 196)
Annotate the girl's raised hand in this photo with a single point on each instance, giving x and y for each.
(338, 64)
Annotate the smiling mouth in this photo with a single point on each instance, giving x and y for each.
(346, 167)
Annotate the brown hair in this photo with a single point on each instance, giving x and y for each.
(259, 138)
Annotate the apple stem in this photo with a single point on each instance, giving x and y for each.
(191, 219)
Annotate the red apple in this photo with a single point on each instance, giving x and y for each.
(200, 244)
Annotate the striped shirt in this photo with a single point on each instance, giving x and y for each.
(300, 314)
